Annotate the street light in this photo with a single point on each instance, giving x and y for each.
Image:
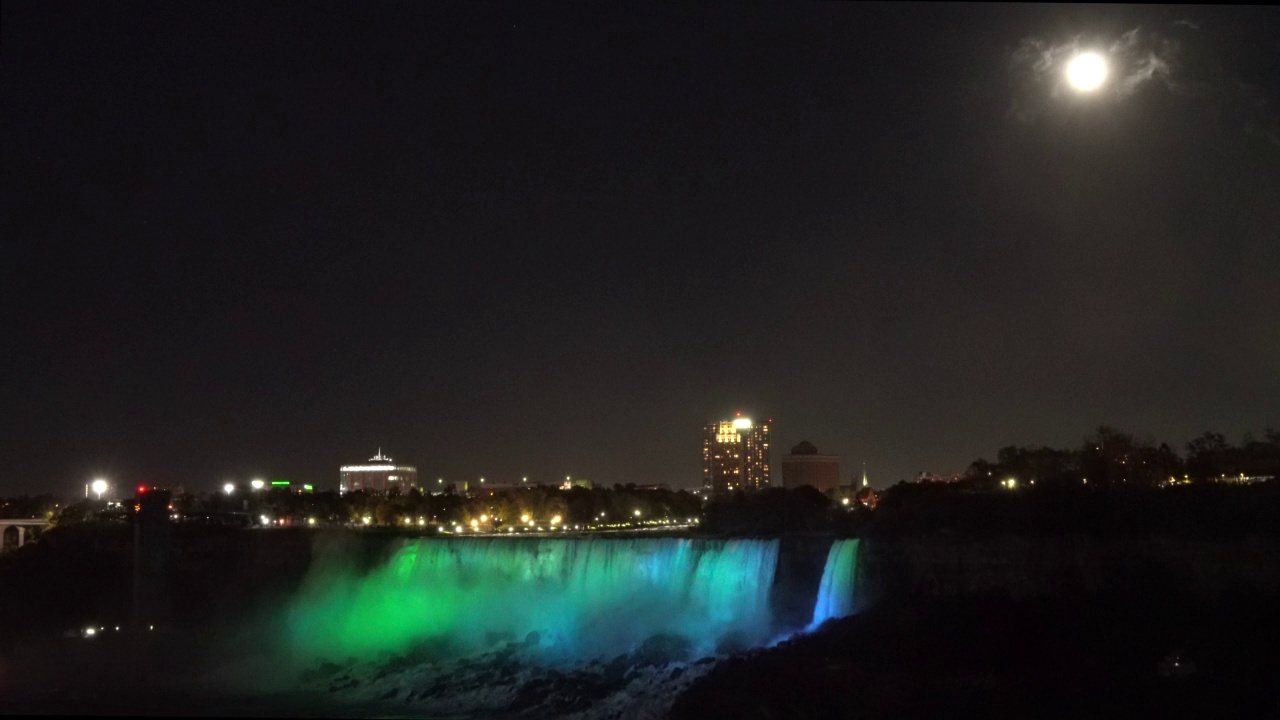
(257, 484)
(99, 486)
(228, 488)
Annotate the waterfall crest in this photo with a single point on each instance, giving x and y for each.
(585, 597)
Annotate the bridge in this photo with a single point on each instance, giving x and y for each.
(21, 524)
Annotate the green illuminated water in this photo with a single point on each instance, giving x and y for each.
(835, 593)
(584, 597)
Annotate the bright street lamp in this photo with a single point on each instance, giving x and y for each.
(99, 486)
(228, 488)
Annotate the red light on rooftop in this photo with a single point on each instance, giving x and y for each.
(142, 489)
(738, 414)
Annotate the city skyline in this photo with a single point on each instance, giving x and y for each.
(379, 462)
(536, 241)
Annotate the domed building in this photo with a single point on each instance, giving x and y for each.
(806, 466)
(379, 475)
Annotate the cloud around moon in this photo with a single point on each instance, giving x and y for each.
(1135, 58)
(1176, 58)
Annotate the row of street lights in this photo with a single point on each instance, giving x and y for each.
(99, 486)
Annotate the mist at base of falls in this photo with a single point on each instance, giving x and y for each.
(572, 599)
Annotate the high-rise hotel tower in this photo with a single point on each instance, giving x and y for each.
(735, 456)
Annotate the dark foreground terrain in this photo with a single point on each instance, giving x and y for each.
(1106, 654)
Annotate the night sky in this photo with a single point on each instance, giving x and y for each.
(265, 240)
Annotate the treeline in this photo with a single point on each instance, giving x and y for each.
(30, 506)
(1110, 457)
(775, 510)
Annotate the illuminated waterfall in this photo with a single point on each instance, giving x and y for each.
(585, 597)
(835, 594)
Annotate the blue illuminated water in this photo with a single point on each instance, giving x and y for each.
(583, 597)
(836, 592)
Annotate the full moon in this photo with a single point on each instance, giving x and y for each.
(1087, 71)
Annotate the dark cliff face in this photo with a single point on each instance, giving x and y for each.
(941, 542)
(209, 576)
(801, 561)
(1106, 654)
(1031, 625)
(1208, 512)
(1079, 605)
(1023, 567)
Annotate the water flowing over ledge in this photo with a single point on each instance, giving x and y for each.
(582, 597)
(835, 594)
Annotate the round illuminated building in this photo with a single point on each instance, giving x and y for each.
(380, 475)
